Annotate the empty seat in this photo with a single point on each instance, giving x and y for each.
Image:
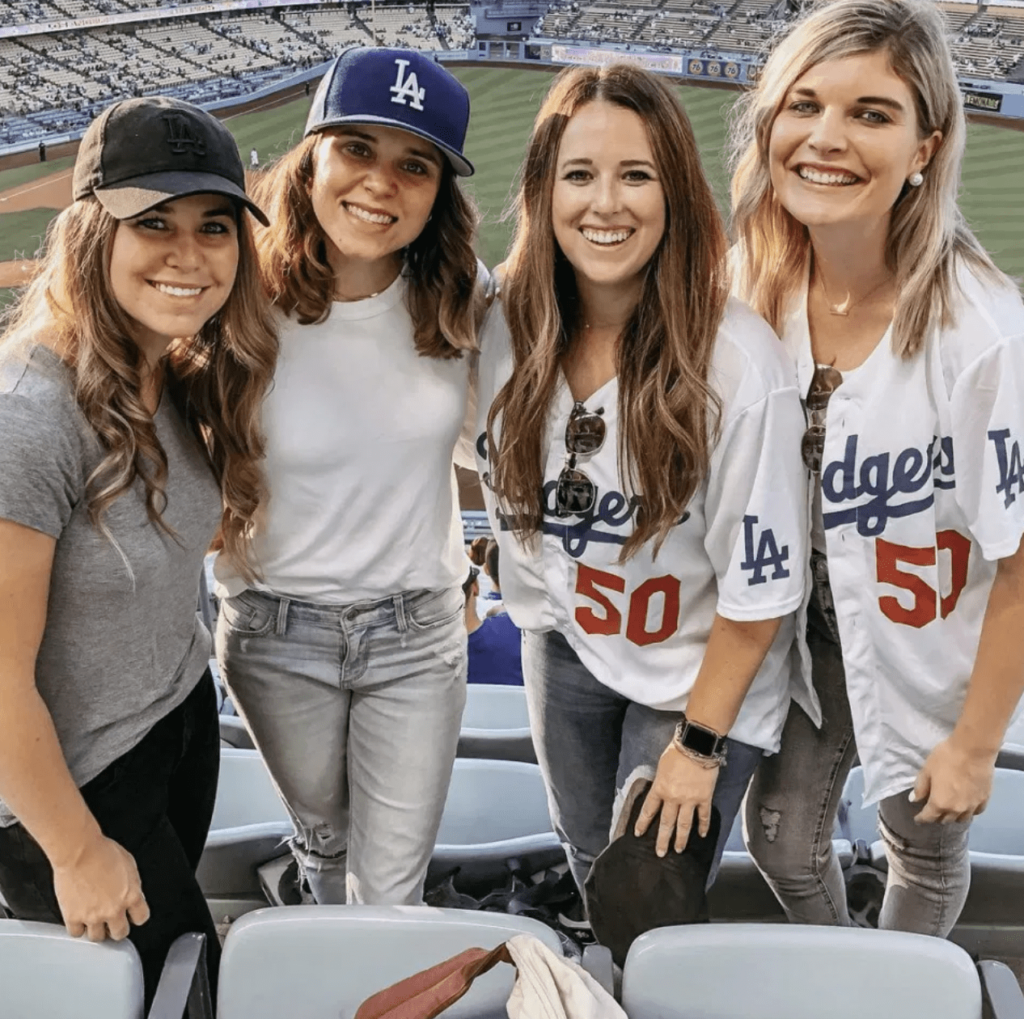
(496, 724)
(327, 960)
(749, 971)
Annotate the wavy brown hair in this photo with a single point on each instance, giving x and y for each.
(929, 239)
(668, 412)
(440, 265)
(217, 378)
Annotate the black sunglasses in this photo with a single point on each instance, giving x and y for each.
(825, 381)
(585, 430)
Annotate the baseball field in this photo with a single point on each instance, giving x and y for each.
(504, 101)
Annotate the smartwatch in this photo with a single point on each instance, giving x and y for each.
(699, 739)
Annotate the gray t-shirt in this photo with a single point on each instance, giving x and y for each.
(117, 655)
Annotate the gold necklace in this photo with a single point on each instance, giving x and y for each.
(844, 308)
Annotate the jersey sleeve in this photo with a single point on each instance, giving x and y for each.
(987, 413)
(40, 471)
(756, 510)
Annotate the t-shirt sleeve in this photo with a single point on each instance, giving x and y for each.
(756, 510)
(987, 412)
(40, 471)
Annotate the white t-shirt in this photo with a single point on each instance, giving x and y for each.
(360, 431)
(642, 627)
(922, 483)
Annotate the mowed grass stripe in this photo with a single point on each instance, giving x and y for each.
(505, 101)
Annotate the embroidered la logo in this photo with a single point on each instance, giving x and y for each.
(181, 137)
(407, 90)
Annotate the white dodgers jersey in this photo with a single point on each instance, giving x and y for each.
(740, 549)
(922, 490)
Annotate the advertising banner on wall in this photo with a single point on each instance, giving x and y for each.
(699, 67)
(669, 63)
(983, 102)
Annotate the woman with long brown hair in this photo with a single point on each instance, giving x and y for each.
(132, 373)
(348, 658)
(909, 346)
(650, 513)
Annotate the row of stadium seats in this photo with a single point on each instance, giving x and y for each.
(325, 961)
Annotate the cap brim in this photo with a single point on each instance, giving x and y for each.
(134, 197)
(462, 166)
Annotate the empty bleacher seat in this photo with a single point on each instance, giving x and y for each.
(326, 960)
(750, 971)
(496, 724)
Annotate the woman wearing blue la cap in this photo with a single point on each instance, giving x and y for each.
(348, 660)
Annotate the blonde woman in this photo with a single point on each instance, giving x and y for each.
(910, 349)
(348, 658)
(638, 431)
(118, 465)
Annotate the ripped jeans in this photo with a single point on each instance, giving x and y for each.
(794, 797)
(591, 740)
(356, 710)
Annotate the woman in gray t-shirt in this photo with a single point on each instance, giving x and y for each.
(131, 377)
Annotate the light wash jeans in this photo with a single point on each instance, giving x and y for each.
(591, 740)
(794, 798)
(356, 710)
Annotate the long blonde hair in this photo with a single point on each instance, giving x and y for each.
(668, 413)
(217, 378)
(440, 265)
(929, 239)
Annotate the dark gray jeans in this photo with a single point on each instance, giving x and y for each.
(590, 740)
(794, 797)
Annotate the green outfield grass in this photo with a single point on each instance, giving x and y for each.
(504, 103)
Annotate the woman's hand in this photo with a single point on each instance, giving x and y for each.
(954, 784)
(100, 891)
(681, 786)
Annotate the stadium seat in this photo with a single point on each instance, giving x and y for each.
(495, 811)
(496, 725)
(751, 971)
(326, 960)
(234, 733)
(46, 973)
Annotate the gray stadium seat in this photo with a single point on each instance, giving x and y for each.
(46, 973)
(751, 971)
(495, 811)
(496, 725)
(326, 960)
(234, 733)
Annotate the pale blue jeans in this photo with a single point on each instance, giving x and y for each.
(356, 710)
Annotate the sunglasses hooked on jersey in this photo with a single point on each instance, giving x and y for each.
(825, 381)
(585, 430)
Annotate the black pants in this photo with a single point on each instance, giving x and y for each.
(157, 802)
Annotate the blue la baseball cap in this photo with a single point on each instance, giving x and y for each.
(396, 88)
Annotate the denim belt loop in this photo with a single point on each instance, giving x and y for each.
(281, 624)
(400, 620)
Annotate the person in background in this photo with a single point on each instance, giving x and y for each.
(493, 603)
(495, 643)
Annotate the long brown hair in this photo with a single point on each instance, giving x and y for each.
(217, 378)
(929, 239)
(668, 413)
(440, 264)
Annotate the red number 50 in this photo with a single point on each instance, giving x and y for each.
(927, 603)
(609, 621)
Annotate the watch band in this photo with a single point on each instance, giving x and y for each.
(699, 742)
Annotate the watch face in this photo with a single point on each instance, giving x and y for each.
(700, 741)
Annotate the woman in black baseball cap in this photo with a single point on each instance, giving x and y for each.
(349, 662)
(132, 371)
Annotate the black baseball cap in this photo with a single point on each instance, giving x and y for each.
(395, 88)
(631, 890)
(140, 153)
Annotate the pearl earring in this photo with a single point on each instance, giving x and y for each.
(916, 179)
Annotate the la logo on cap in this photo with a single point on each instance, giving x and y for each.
(408, 90)
(181, 137)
